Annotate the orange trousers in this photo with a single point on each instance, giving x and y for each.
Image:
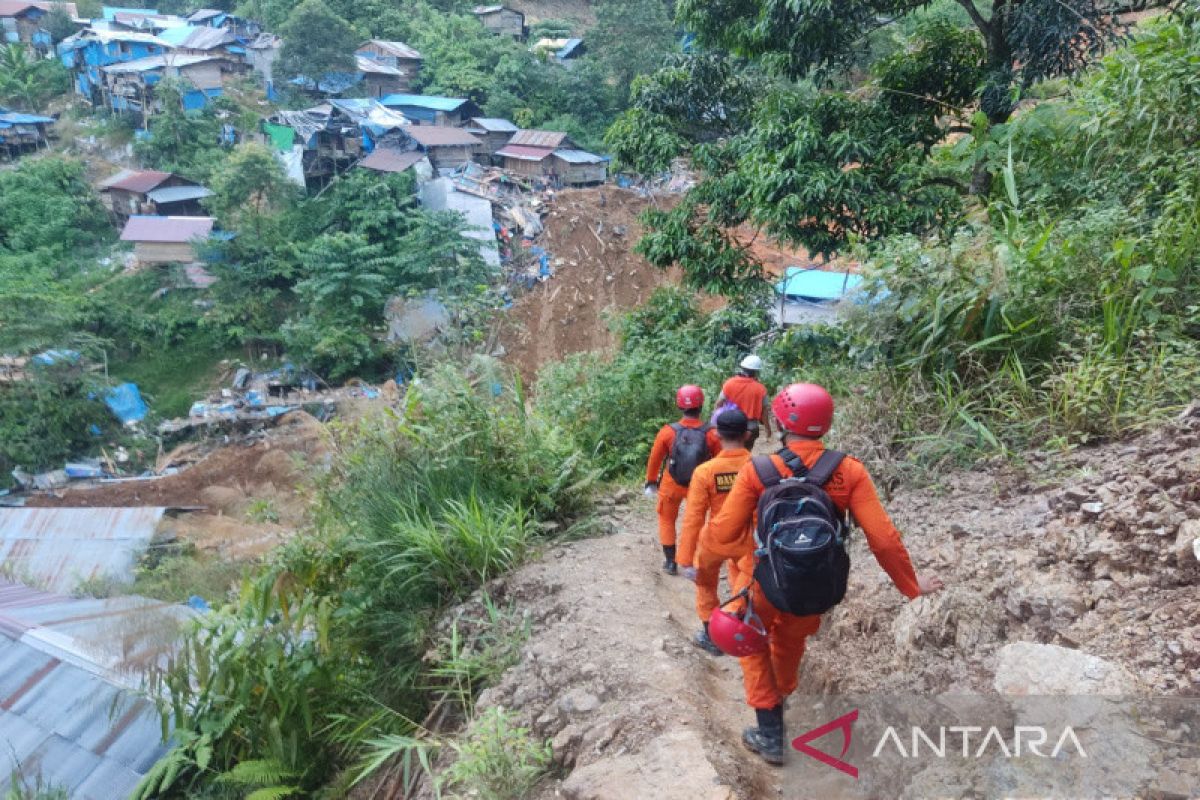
(670, 497)
(708, 582)
(770, 677)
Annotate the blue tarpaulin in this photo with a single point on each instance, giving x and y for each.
(126, 403)
(815, 285)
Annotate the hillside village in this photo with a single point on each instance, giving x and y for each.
(338, 342)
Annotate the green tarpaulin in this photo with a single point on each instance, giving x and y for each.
(281, 136)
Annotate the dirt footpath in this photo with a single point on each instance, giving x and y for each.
(1072, 559)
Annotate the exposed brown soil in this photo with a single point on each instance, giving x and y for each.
(590, 235)
(240, 467)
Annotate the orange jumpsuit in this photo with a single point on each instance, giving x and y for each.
(747, 394)
(711, 484)
(770, 677)
(670, 494)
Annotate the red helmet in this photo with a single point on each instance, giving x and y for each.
(804, 409)
(689, 397)
(736, 636)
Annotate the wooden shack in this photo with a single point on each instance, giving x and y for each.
(393, 55)
(528, 152)
(501, 20)
(166, 240)
(141, 192)
(578, 167)
(493, 133)
(447, 148)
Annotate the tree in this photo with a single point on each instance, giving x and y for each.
(188, 142)
(316, 42)
(631, 37)
(59, 23)
(818, 166)
(28, 82)
(249, 187)
(1023, 41)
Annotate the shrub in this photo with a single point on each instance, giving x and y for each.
(497, 760)
(613, 406)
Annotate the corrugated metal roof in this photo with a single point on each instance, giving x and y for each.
(133, 180)
(816, 285)
(494, 124)
(524, 152)
(551, 139)
(166, 229)
(205, 38)
(177, 194)
(204, 13)
(150, 63)
(66, 709)
(571, 49)
(387, 160)
(439, 136)
(429, 101)
(59, 547)
(579, 157)
(371, 66)
(397, 49)
(17, 118)
(10, 8)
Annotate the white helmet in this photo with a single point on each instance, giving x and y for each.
(752, 363)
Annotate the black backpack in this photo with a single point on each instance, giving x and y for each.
(802, 563)
(689, 451)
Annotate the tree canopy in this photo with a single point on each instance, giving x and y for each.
(316, 42)
(796, 140)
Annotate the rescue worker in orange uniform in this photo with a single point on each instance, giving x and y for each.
(804, 412)
(746, 392)
(711, 483)
(663, 456)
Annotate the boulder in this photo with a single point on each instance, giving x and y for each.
(578, 701)
(1187, 544)
(673, 766)
(1028, 668)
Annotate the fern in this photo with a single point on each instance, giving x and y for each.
(273, 793)
(257, 772)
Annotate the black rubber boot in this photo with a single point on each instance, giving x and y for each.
(702, 640)
(767, 738)
(669, 560)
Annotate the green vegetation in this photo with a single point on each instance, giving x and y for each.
(497, 760)
(1061, 310)
(21, 788)
(28, 83)
(318, 663)
(316, 42)
(613, 407)
(821, 157)
(177, 573)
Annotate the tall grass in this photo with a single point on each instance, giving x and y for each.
(319, 662)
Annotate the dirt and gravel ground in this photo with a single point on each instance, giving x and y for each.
(1092, 551)
(247, 495)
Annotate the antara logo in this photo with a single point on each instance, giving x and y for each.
(845, 724)
(1027, 740)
